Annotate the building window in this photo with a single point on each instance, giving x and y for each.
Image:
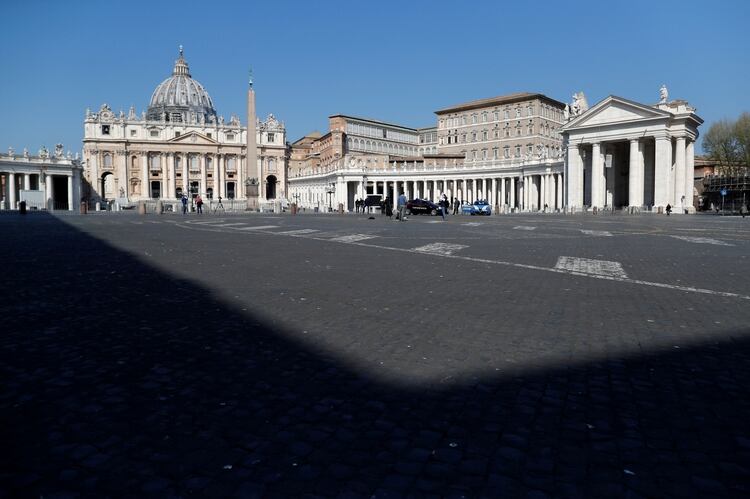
(531, 129)
(134, 161)
(153, 163)
(194, 167)
(154, 133)
(230, 190)
(497, 116)
(518, 151)
(518, 112)
(473, 136)
(231, 163)
(484, 117)
(473, 155)
(105, 129)
(463, 138)
(473, 119)
(494, 153)
(155, 189)
(209, 135)
(177, 134)
(484, 135)
(463, 119)
(107, 160)
(270, 137)
(529, 150)
(230, 137)
(484, 154)
(133, 133)
(507, 131)
(506, 114)
(271, 166)
(506, 152)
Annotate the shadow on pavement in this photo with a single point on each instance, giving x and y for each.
(119, 380)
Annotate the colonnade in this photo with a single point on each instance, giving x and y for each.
(529, 191)
(39, 184)
(660, 171)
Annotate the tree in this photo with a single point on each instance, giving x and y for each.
(742, 132)
(728, 143)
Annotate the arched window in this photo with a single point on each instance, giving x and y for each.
(231, 163)
(134, 161)
(194, 162)
(107, 160)
(271, 165)
(153, 162)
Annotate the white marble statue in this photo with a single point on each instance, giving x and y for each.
(566, 112)
(663, 94)
(59, 150)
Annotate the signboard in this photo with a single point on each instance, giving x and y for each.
(723, 192)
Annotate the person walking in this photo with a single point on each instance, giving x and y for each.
(388, 208)
(199, 203)
(443, 206)
(184, 203)
(456, 206)
(743, 210)
(402, 207)
(668, 209)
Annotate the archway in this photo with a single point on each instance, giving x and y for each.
(271, 187)
(107, 188)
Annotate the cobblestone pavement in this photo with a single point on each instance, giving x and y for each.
(329, 356)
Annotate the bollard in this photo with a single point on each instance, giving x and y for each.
(22, 207)
(141, 208)
(159, 207)
(84, 207)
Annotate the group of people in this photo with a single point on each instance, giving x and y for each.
(198, 203)
(361, 205)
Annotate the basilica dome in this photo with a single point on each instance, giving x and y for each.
(181, 99)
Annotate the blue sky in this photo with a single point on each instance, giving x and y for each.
(396, 61)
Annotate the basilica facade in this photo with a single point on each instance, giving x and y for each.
(181, 145)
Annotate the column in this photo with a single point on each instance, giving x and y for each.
(597, 176)
(215, 176)
(550, 191)
(609, 175)
(501, 203)
(145, 194)
(172, 175)
(679, 174)
(689, 176)
(26, 181)
(543, 191)
(204, 178)
(662, 164)
(559, 201)
(185, 177)
(12, 190)
(70, 192)
(635, 178)
(220, 188)
(48, 193)
(512, 199)
(77, 188)
(574, 176)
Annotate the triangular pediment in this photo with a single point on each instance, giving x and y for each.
(193, 138)
(615, 110)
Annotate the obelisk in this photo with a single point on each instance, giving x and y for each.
(253, 171)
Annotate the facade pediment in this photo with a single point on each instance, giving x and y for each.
(615, 110)
(193, 138)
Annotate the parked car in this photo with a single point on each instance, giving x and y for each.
(480, 207)
(373, 201)
(422, 206)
